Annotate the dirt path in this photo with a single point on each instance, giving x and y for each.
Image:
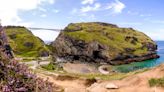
(68, 84)
(34, 64)
(79, 68)
(134, 83)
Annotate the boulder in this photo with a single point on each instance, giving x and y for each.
(96, 88)
(111, 86)
(103, 69)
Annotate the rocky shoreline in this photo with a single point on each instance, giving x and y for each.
(71, 54)
(91, 42)
(135, 59)
(112, 62)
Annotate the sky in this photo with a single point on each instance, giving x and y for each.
(142, 15)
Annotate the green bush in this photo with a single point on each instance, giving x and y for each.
(156, 82)
(52, 67)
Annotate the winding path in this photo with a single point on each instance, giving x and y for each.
(34, 64)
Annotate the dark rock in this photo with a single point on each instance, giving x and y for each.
(44, 54)
(129, 49)
(79, 50)
(106, 24)
(12, 36)
(29, 44)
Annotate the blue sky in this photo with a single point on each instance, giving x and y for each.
(143, 15)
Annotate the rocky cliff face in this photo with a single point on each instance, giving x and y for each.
(103, 43)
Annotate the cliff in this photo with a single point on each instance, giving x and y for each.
(16, 77)
(103, 43)
(24, 43)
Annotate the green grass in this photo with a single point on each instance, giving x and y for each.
(156, 82)
(112, 76)
(116, 76)
(19, 37)
(140, 51)
(112, 37)
(52, 67)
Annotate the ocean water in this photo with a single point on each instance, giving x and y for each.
(145, 64)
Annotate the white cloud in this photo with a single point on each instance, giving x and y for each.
(91, 8)
(157, 21)
(46, 35)
(156, 35)
(92, 16)
(116, 6)
(130, 23)
(87, 2)
(132, 13)
(43, 15)
(135, 13)
(55, 11)
(9, 9)
(50, 1)
(89, 16)
(74, 11)
(42, 9)
(145, 15)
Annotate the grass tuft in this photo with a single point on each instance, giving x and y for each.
(156, 82)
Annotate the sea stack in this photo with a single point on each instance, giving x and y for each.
(98, 42)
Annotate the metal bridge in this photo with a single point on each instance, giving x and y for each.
(51, 29)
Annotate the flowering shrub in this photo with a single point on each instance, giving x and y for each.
(16, 77)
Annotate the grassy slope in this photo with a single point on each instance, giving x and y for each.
(19, 36)
(114, 37)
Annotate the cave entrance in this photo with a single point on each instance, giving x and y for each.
(76, 57)
(96, 54)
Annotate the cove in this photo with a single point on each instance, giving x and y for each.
(145, 64)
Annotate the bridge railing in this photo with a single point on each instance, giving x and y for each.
(51, 29)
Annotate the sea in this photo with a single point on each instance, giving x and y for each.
(144, 64)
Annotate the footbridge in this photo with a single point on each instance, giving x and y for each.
(50, 29)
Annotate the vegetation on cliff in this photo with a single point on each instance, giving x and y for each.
(24, 43)
(16, 77)
(104, 42)
(113, 36)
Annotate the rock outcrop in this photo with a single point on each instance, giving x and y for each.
(103, 43)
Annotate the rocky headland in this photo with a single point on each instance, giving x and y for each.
(103, 43)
